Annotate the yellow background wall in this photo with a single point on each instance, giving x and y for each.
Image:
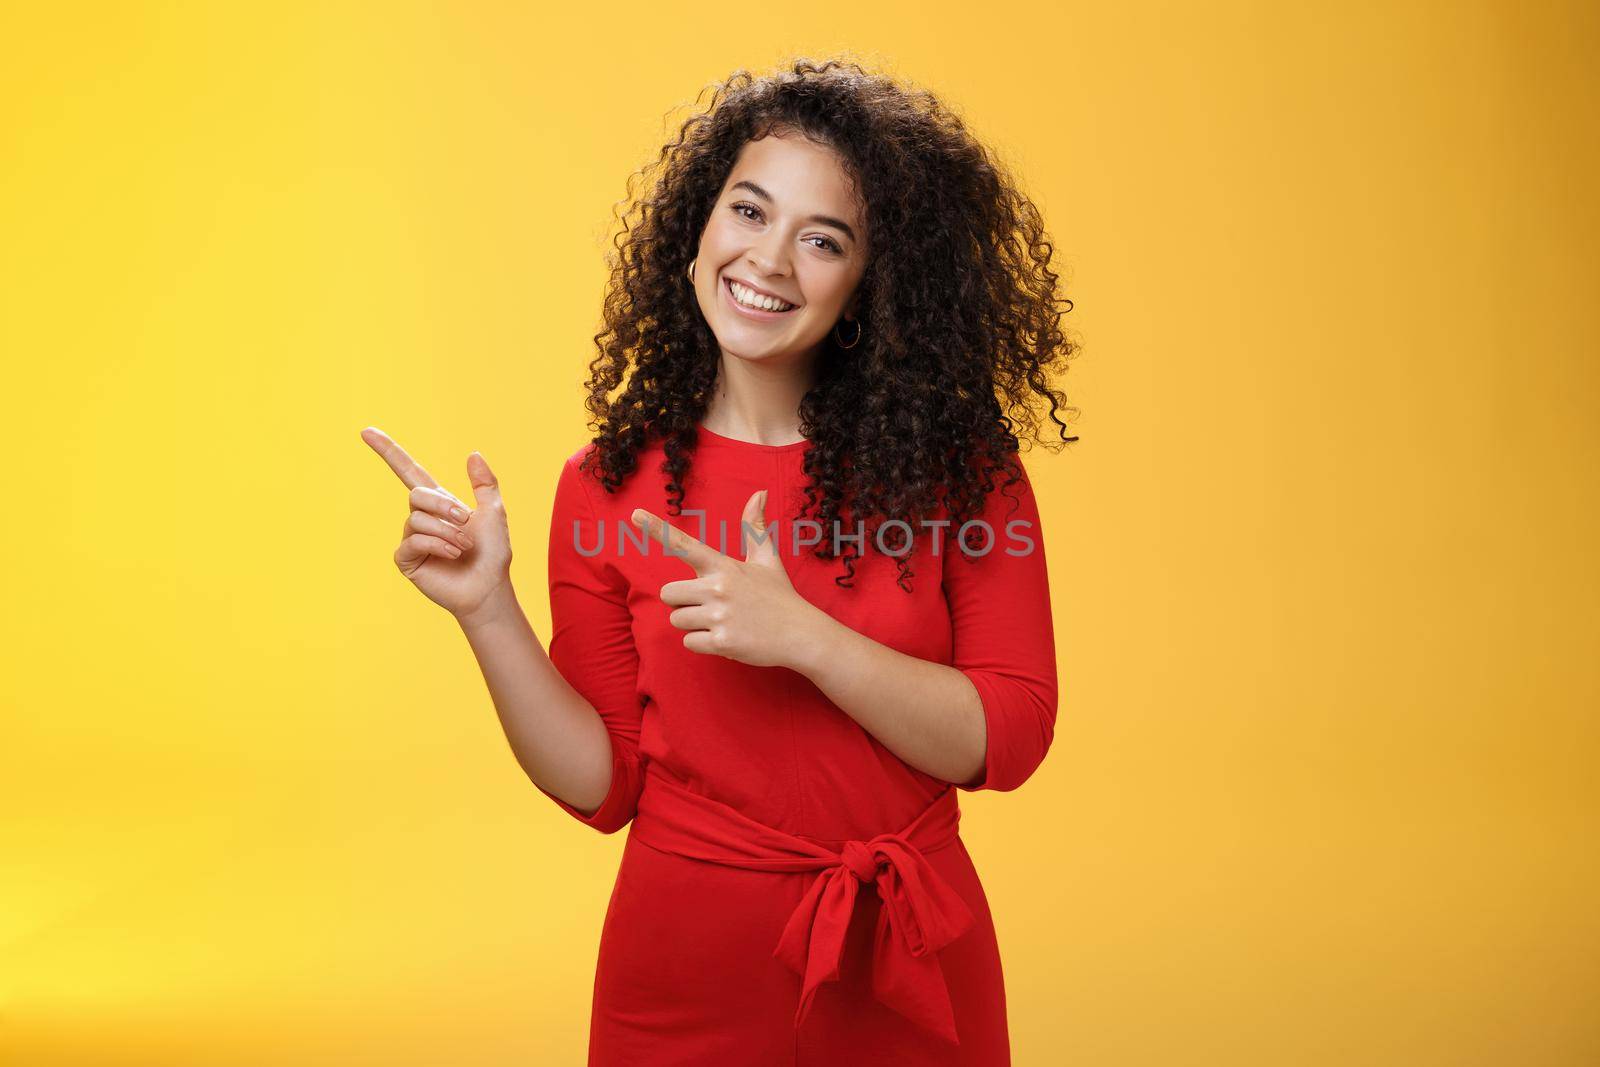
(1323, 788)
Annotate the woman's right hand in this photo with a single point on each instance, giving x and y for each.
(460, 557)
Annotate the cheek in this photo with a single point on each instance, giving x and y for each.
(826, 290)
(717, 242)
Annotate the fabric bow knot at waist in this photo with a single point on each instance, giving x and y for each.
(921, 913)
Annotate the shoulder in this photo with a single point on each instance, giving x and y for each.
(1001, 481)
(583, 467)
(1012, 493)
(651, 452)
(577, 460)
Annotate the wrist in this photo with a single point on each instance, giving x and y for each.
(494, 610)
(814, 642)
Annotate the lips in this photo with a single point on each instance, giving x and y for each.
(760, 291)
(756, 314)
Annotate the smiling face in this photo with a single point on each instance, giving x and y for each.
(787, 234)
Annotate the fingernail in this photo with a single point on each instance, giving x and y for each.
(454, 551)
(458, 514)
(466, 542)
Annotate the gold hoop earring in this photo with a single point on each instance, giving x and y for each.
(854, 340)
(692, 263)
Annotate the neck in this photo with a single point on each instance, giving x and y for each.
(759, 400)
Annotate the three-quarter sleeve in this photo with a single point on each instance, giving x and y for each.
(1002, 631)
(592, 643)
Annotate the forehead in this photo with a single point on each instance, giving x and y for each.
(803, 176)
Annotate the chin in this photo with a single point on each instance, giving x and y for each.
(756, 355)
(752, 355)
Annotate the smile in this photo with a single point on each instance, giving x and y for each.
(753, 305)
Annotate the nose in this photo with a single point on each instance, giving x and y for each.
(769, 255)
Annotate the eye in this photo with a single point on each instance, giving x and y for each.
(739, 208)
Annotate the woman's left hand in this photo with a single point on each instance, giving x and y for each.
(745, 610)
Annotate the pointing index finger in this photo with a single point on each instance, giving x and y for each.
(407, 469)
(696, 553)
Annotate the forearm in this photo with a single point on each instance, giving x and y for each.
(929, 714)
(556, 735)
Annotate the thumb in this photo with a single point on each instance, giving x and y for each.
(485, 487)
(762, 546)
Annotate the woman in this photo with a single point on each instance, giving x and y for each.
(825, 295)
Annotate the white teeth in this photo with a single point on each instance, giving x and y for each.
(756, 300)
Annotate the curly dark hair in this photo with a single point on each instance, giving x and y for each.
(958, 304)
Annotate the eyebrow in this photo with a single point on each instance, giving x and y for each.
(826, 220)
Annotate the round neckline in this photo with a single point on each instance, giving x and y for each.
(718, 439)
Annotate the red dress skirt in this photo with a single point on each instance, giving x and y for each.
(791, 892)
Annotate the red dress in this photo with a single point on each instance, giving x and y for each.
(791, 892)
